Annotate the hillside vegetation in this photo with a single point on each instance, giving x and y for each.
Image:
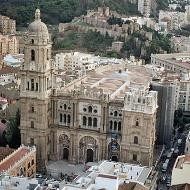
(55, 11)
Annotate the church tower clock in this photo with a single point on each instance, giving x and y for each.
(36, 85)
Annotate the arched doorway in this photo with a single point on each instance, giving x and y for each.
(65, 154)
(87, 149)
(114, 150)
(89, 155)
(64, 146)
(114, 158)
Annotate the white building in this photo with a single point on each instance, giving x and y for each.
(109, 175)
(9, 75)
(144, 7)
(3, 103)
(181, 44)
(173, 20)
(13, 60)
(181, 170)
(177, 62)
(187, 145)
(78, 63)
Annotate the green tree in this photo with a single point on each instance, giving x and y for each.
(12, 135)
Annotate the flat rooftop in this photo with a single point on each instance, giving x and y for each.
(112, 80)
(181, 160)
(17, 183)
(110, 175)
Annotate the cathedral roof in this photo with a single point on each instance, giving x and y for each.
(38, 27)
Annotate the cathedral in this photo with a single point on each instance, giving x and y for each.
(107, 114)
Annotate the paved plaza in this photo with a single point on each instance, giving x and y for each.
(55, 169)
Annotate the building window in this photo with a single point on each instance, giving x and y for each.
(115, 125)
(115, 113)
(65, 106)
(28, 165)
(32, 41)
(32, 109)
(134, 157)
(111, 125)
(84, 120)
(68, 119)
(36, 86)
(137, 123)
(47, 54)
(119, 126)
(90, 109)
(136, 140)
(32, 84)
(65, 118)
(32, 124)
(32, 161)
(28, 86)
(89, 121)
(61, 117)
(31, 141)
(95, 122)
(32, 55)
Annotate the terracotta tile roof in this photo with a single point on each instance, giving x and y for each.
(8, 70)
(5, 151)
(15, 157)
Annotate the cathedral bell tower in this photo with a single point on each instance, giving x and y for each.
(36, 85)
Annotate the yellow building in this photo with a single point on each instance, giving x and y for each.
(7, 25)
(8, 45)
(22, 162)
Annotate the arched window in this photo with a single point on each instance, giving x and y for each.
(68, 119)
(115, 125)
(61, 117)
(136, 141)
(90, 109)
(65, 106)
(89, 121)
(84, 120)
(65, 118)
(95, 122)
(111, 125)
(32, 55)
(32, 41)
(137, 122)
(32, 124)
(32, 84)
(115, 113)
(139, 100)
(119, 126)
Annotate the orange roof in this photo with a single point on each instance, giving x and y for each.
(15, 157)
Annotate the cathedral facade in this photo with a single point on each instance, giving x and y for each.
(92, 118)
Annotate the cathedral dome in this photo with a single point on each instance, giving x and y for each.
(38, 27)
